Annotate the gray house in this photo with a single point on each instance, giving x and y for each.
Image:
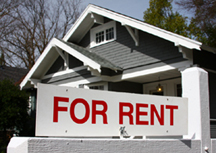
(106, 50)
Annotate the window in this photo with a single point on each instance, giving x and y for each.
(101, 87)
(103, 34)
(109, 33)
(99, 37)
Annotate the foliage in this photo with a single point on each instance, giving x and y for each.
(30, 25)
(204, 20)
(14, 105)
(13, 110)
(161, 15)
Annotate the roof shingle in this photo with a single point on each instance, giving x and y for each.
(13, 73)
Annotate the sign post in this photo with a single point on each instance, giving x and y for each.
(72, 112)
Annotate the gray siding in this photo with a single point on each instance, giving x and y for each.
(125, 86)
(204, 59)
(75, 76)
(57, 66)
(85, 42)
(74, 62)
(125, 54)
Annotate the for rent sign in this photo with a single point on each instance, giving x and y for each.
(68, 112)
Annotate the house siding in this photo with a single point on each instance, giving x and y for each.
(59, 64)
(204, 59)
(74, 62)
(66, 78)
(85, 42)
(126, 55)
(125, 86)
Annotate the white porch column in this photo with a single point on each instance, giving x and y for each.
(195, 88)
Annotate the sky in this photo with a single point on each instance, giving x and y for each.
(132, 8)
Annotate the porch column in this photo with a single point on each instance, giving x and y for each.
(195, 88)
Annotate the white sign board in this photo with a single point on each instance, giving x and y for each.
(72, 112)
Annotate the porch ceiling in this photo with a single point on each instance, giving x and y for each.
(156, 76)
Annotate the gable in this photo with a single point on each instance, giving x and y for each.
(57, 47)
(124, 53)
(95, 14)
(137, 48)
(59, 65)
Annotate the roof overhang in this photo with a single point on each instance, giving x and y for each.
(85, 21)
(50, 54)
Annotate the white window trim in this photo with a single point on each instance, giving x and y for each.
(100, 28)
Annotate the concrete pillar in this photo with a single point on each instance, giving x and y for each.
(18, 144)
(195, 88)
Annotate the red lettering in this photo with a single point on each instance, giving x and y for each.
(99, 112)
(122, 113)
(139, 113)
(171, 107)
(56, 108)
(72, 112)
(154, 111)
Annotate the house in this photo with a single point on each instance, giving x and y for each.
(13, 73)
(106, 50)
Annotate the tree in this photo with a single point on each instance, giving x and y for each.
(13, 110)
(6, 8)
(161, 15)
(204, 19)
(33, 24)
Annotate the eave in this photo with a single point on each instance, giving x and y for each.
(91, 60)
(85, 22)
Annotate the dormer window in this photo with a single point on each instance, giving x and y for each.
(103, 34)
(109, 33)
(99, 37)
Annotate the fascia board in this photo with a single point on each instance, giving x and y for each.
(175, 38)
(77, 23)
(172, 37)
(36, 65)
(68, 49)
(147, 71)
(77, 54)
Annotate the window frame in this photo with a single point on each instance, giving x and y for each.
(100, 28)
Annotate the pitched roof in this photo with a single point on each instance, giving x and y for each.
(85, 21)
(50, 53)
(98, 59)
(13, 73)
(94, 61)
